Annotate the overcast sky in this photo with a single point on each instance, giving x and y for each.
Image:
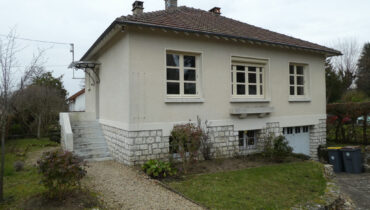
(82, 21)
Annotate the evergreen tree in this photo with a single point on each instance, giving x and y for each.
(334, 85)
(363, 76)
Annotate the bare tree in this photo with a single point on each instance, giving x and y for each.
(43, 103)
(346, 65)
(8, 59)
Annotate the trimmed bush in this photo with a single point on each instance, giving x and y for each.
(158, 169)
(61, 172)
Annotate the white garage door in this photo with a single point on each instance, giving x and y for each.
(298, 138)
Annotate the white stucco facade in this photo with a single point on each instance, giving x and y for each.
(78, 104)
(131, 94)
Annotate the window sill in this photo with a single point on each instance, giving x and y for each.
(250, 100)
(299, 100)
(184, 100)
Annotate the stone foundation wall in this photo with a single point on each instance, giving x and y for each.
(224, 141)
(136, 147)
(317, 137)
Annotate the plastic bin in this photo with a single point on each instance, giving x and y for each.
(352, 159)
(335, 159)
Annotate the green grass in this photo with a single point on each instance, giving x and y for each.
(269, 187)
(18, 186)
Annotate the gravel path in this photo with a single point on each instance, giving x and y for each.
(122, 187)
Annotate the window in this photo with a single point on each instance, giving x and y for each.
(297, 80)
(181, 74)
(247, 139)
(305, 129)
(297, 129)
(289, 130)
(247, 80)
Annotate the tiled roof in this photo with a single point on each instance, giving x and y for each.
(200, 21)
(73, 97)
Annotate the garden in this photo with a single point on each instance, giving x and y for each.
(273, 179)
(38, 175)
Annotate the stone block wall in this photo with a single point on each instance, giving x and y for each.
(317, 137)
(136, 147)
(224, 141)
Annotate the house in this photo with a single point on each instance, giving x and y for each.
(152, 70)
(76, 103)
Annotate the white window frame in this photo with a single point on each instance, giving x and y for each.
(305, 85)
(246, 140)
(249, 62)
(181, 75)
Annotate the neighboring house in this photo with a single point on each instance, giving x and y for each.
(76, 103)
(150, 71)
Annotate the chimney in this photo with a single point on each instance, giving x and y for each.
(137, 7)
(216, 10)
(171, 4)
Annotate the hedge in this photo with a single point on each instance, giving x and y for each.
(342, 117)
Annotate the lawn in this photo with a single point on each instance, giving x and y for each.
(268, 187)
(18, 186)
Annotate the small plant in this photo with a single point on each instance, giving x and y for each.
(276, 148)
(61, 172)
(185, 140)
(158, 169)
(18, 165)
(322, 153)
(205, 140)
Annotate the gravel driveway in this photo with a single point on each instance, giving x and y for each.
(122, 187)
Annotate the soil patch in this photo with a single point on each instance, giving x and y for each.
(75, 200)
(234, 164)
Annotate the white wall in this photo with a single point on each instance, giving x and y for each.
(133, 91)
(78, 105)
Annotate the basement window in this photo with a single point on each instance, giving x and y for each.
(247, 139)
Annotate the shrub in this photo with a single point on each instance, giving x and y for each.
(185, 140)
(18, 165)
(322, 153)
(281, 148)
(205, 141)
(61, 172)
(158, 169)
(276, 148)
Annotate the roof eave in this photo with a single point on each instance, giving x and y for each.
(101, 37)
(326, 52)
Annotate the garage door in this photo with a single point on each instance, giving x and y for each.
(298, 138)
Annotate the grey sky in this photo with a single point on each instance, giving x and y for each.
(82, 21)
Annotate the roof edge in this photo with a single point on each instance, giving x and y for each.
(120, 22)
(332, 52)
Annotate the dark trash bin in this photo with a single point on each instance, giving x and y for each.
(352, 159)
(335, 159)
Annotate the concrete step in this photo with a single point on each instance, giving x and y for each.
(87, 135)
(92, 150)
(92, 155)
(98, 159)
(89, 142)
(82, 139)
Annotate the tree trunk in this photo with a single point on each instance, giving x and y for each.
(38, 127)
(364, 130)
(2, 160)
